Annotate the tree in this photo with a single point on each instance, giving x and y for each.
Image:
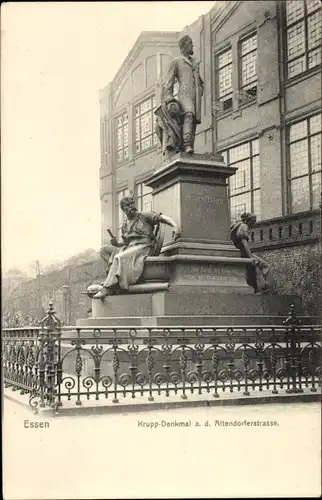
(11, 279)
(87, 255)
(81, 258)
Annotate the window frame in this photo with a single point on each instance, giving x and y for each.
(227, 98)
(154, 139)
(241, 56)
(309, 173)
(117, 117)
(139, 196)
(251, 175)
(305, 54)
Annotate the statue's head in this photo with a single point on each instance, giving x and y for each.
(186, 45)
(249, 219)
(127, 205)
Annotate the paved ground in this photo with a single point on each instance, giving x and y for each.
(142, 403)
(120, 456)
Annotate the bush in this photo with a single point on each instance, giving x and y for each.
(298, 271)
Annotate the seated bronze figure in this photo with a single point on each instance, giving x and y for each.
(142, 237)
(258, 274)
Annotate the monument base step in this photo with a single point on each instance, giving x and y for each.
(165, 321)
(187, 303)
(166, 308)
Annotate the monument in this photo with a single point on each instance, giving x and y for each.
(188, 263)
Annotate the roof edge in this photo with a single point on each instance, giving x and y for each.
(144, 37)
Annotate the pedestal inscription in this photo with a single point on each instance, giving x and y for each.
(194, 189)
(206, 273)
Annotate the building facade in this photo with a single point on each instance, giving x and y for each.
(261, 64)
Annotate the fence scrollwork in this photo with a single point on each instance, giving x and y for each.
(115, 362)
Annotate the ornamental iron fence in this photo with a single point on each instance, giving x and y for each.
(53, 365)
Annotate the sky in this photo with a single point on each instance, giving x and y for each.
(54, 59)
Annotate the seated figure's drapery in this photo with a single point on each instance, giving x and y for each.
(125, 264)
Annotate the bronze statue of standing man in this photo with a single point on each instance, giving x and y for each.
(178, 117)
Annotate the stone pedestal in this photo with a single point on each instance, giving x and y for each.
(192, 189)
(202, 271)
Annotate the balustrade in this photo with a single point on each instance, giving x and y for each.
(287, 230)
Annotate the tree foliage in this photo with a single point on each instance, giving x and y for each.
(87, 255)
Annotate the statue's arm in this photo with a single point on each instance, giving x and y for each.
(247, 251)
(239, 236)
(124, 240)
(119, 244)
(169, 80)
(170, 222)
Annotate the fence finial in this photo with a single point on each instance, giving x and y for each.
(51, 321)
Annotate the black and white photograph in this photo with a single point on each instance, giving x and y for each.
(161, 249)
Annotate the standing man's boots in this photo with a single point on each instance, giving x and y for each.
(188, 132)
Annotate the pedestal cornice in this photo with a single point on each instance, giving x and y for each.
(201, 169)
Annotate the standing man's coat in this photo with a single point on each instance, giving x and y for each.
(186, 72)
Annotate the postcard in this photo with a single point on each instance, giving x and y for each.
(161, 257)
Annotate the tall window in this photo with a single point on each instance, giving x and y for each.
(248, 65)
(121, 217)
(244, 185)
(224, 82)
(303, 22)
(122, 134)
(145, 136)
(305, 164)
(144, 198)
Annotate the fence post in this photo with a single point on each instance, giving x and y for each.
(46, 388)
(293, 327)
(52, 325)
